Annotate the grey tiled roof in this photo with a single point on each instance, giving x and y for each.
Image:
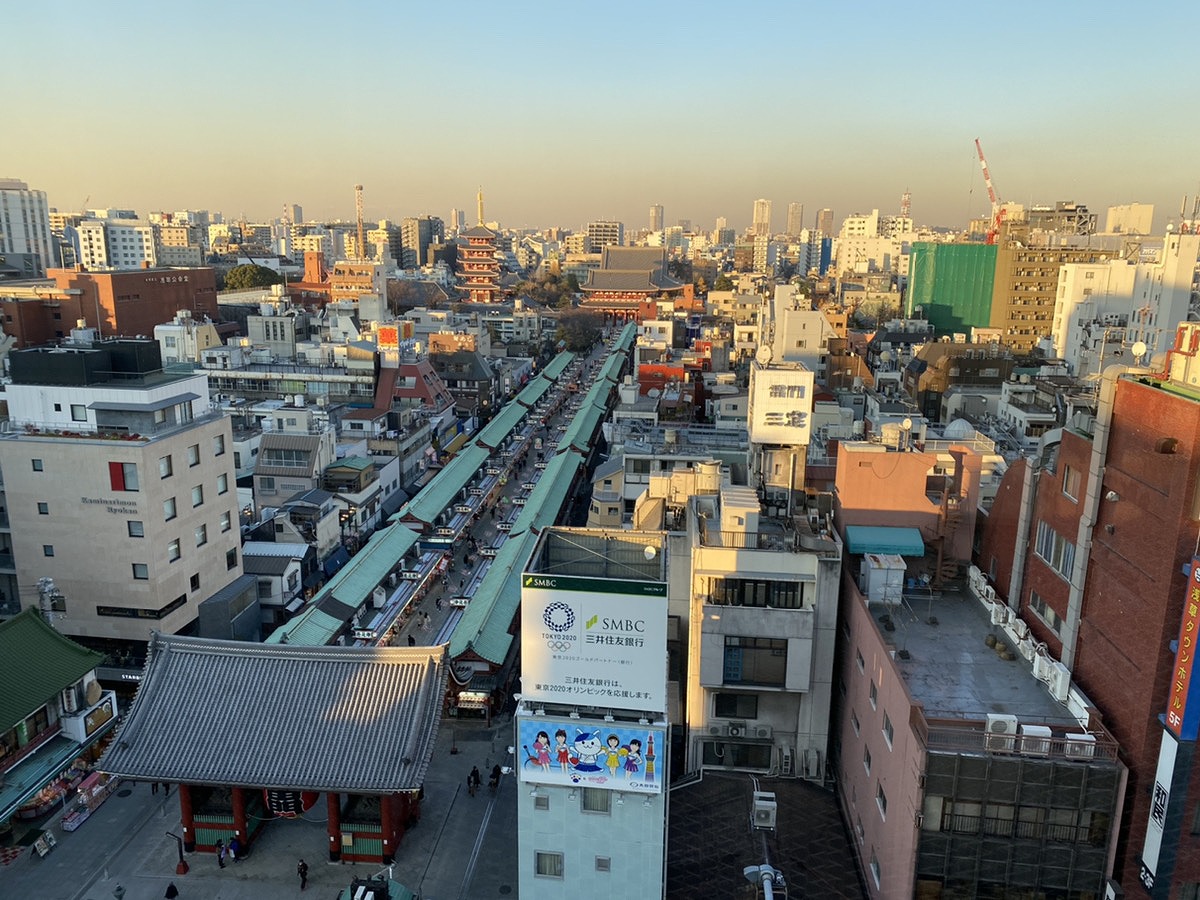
(341, 719)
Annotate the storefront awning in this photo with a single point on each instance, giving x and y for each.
(884, 539)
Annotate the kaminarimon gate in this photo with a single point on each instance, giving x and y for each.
(251, 733)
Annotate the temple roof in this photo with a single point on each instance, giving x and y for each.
(36, 662)
(340, 719)
(478, 231)
(632, 269)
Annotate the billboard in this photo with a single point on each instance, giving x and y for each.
(1183, 717)
(615, 756)
(594, 641)
(781, 402)
(1160, 798)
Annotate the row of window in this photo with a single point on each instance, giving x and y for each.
(166, 466)
(1055, 550)
(141, 571)
(549, 864)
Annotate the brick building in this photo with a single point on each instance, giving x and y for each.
(127, 303)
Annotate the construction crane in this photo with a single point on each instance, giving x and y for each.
(358, 209)
(997, 211)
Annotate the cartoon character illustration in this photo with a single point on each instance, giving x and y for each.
(562, 751)
(612, 756)
(541, 745)
(587, 746)
(633, 758)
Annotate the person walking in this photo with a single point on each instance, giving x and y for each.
(412, 641)
(302, 871)
(473, 781)
(221, 854)
(172, 891)
(235, 848)
(154, 787)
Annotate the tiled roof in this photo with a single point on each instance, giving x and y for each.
(341, 719)
(36, 662)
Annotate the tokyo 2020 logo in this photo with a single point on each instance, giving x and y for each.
(559, 617)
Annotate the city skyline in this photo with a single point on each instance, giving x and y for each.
(562, 119)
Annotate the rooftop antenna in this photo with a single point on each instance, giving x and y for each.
(358, 209)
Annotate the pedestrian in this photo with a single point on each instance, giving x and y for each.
(302, 871)
(221, 854)
(438, 602)
(462, 583)
(172, 891)
(154, 787)
(235, 848)
(473, 781)
(428, 622)
(412, 641)
(230, 851)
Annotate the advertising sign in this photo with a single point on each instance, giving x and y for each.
(1159, 799)
(781, 402)
(615, 756)
(594, 641)
(388, 337)
(1183, 718)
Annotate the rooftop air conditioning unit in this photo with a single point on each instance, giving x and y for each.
(762, 732)
(1000, 614)
(765, 810)
(718, 729)
(1035, 740)
(1001, 733)
(1059, 679)
(737, 729)
(1080, 746)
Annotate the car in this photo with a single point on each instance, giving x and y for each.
(460, 602)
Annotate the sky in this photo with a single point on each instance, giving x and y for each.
(565, 113)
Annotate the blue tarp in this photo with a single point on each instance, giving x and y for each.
(884, 539)
(336, 560)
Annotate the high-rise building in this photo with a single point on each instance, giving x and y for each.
(25, 223)
(1129, 218)
(762, 218)
(604, 234)
(825, 222)
(416, 234)
(457, 220)
(294, 213)
(656, 217)
(795, 220)
(116, 244)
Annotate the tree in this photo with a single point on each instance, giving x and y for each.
(251, 276)
(580, 330)
(723, 283)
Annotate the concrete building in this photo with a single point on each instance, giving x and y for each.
(25, 224)
(416, 234)
(656, 217)
(1129, 218)
(291, 460)
(120, 487)
(590, 728)
(760, 223)
(795, 219)
(603, 234)
(183, 339)
(116, 244)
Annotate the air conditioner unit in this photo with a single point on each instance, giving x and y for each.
(1020, 629)
(1001, 733)
(737, 729)
(787, 763)
(1059, 679)
(392, 579)
(1035, 740)
(1000, 614)
(1080, 746)
(1041, 667)
(764, 809)
(762, 732)
(378, 597)
(718, 729)
(989, 593)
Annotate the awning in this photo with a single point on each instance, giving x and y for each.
(884, 539)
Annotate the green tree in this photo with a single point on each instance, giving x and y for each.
(572, 283)
(579, 330)
(248, 277)
(723, 283)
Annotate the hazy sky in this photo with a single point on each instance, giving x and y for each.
(567, 112)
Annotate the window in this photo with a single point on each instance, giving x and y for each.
(1045, 612)
(222, 484)
(197, 495)
(266, 485)
(47, 549)
(265, 589)
(859, 661)
(547, 865)
(160, 416)
(889, 733)
(761, 592)
(37, 465)
(596, 800)
(854, 723)
(541, 801)
(881, 801)
(875, 868)
(226, 521)
(219, 445)
(121, 476)
(141, 571)
(201, 535)
(231, 559)
(874, 696)
(43, 509)
(1070, 484)
(173, 550)
(165, 469)
(603, 864)
(193, 455)
(1055, 550)
(195, 582)
(735, 706)
(867, 759)
(135, 528)
(168, 509)
(78, 412)
(755, 660)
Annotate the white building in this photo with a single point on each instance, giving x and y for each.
(116, 244)
(761, 223)
(798, 333)
(591, 732)
(183, 339)
(25, 223)
(1129, 218)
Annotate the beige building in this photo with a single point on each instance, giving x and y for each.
(119, 484)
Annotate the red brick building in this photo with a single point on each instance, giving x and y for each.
(1123, 486)
(124, 303)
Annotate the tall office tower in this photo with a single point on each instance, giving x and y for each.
(795, 222)
(25, 224)
(417, 233)
(457, 220)
(656, 217)
(762, 217)
(293, 213)
(825, 221)
(604, 234)
(722, 222)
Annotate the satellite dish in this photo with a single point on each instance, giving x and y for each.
(906, 424)
(1139, 349)
(886, 356)
(649, 553)
(763, 355)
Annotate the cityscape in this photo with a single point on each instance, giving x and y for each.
(645, 491)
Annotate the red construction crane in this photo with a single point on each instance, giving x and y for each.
(997, 210)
